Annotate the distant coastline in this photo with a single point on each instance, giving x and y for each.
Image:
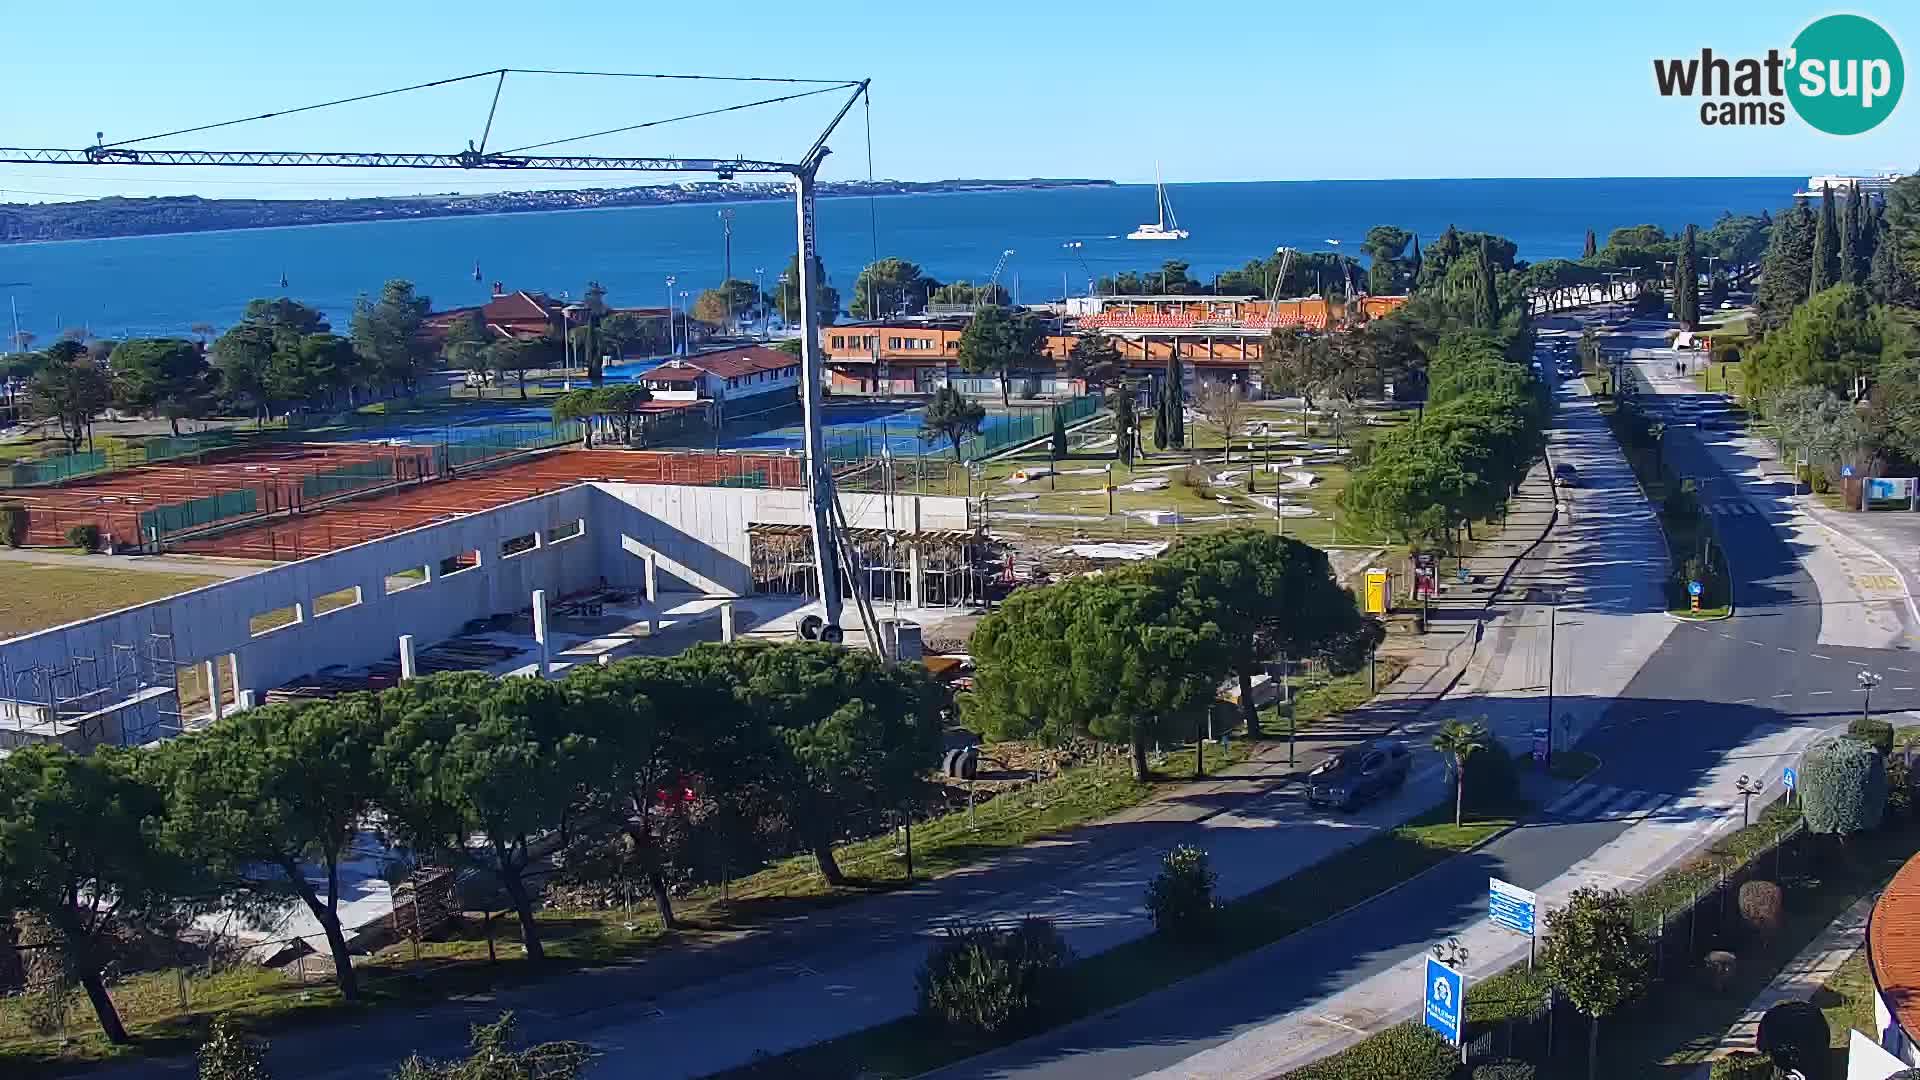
(97, 219)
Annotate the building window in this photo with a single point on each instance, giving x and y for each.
(839, 341)
(893, 343)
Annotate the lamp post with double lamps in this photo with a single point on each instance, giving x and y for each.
(1748, 788)
(1868, 680)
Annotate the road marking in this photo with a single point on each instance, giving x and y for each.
(1817, 656)
(1903, 688)
(1784, 649)
(1750, 641)
(1901, 670)
(1817, 693)
(1856, 663)
(1744, 701)
(1782, 695)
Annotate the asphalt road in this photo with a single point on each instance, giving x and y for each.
(1707, 690)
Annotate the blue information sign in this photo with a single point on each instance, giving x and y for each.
(1789, 777)
(1694, 588)
(1445, 993)
(1846, 471)
(1511, 907)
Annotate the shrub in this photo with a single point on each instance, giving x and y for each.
(13, 525)
(84, 537)
(1406, 1052)
(1510, 1069)
(1761, 905)
(1821, 482)
(1743, 1065)
(1794, 1034)
(1180, 897)
(1843, 787)
(990, 980)
(228, 1055)
(1899, 789)
(1493, 779)
(1874, 732)
(1720, 967)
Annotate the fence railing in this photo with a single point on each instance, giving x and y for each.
(115, 456)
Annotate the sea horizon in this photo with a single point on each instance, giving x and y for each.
(162, 283)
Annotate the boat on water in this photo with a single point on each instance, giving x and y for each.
(476, 269)
(1168, 227)
(1868, 185)
(283, 279)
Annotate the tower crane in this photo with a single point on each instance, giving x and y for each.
(990, 295)
(827, 521)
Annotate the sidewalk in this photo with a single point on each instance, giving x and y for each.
(198, 566)
(814, 977)
(1805, 974)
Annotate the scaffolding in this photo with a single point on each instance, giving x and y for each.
(952, 564)
(84, 700)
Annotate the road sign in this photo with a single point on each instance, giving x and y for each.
(1789, 777)
(1846, 471)
(1445, 992)
(1511, 907)
(1694, 588)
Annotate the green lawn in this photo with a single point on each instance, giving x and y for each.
(34, 596)
(1847, 1001)
(911, 1046)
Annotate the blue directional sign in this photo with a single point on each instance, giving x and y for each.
(1846, 470)
(1511, 907)
(1789, 776)
(1694, 588)
(1446, 995)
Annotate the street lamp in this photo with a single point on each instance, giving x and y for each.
(1748, 788)
(686, 324)
(671, 281)
(760, 297)
(1451, 952)
(1868, 680)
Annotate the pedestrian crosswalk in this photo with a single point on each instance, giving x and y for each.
(1608, 802)
(1605, 802)
(1732, 508)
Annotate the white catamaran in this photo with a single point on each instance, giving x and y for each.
(1168, 227)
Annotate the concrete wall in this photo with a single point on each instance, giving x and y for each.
(698, 536)
(216, 620)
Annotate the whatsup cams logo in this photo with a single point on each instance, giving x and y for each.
(1842, 75)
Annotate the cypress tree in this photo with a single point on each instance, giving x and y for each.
(1686, 284)
(1826, 245)
(1593, 248)
(1161, 422)
(1888, 281)
(1174, 402)
(1850, 265)
(1486, 297)
(1413, 265)
(1786, 269)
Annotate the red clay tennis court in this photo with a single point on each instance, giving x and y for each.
(356, 521)
(281, 477)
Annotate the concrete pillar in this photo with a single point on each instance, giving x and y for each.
(653, 577)
(211, 669)
(916, 587)
(540, 632)
(726, 621)
(407, 669)
(233, 669)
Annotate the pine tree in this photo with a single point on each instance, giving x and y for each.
(1593, 248)
(1486, 297)
(1686, 285)
(1786, 269)
(1826, 245)
(1851, 269)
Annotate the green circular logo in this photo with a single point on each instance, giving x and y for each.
(1846, 74)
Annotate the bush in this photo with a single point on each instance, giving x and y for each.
(13, 525)
(1821, 482)
(1761, 906)
(1406, 1052)
(991, 981)
(84, 537)
(1493, 779)
(1843, 787)
(1510, 1069)
(1720, 967)
(228, 1055)
(1874, 732)
(1743, 1065)
(1180, 897)
(1794, 1034)
(1899, 789)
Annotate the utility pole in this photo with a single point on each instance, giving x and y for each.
(1553, 622)
(760, 297)
(670, 282)
(726, 265)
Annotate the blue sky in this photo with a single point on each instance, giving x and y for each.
(990, 89)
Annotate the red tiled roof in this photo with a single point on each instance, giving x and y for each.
(1893, 946)
(520, 306)
(731, 363)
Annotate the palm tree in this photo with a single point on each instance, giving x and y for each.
(1459, 740)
